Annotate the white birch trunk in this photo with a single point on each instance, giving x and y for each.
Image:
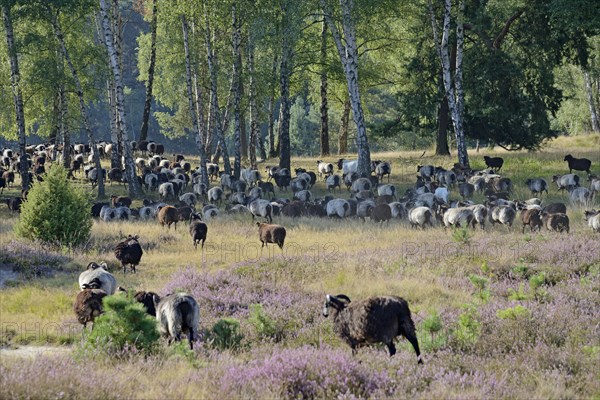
(235, 40)
(134, 186)
(591, 104)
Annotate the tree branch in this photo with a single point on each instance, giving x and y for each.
(502, 35)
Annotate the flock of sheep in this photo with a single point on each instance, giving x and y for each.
(379, 319)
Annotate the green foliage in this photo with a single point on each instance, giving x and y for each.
(520, 271)
(125, 324)
(264, 325)
(468, 329)
(436, 338)
(225, 334)
(481, 284)
(515, 313)
(461, 235)
(518, 294)
(56, 212)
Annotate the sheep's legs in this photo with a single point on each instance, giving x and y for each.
(391, 348)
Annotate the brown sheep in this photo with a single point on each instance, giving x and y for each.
(373, 320)
(556, 222)
(380, 213)
(198, 230)
(533, 218)
(271, 233)
(168, 215)
(88, 305)
(120, 201)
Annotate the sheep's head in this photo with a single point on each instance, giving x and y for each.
(338, 302)
(568, 157)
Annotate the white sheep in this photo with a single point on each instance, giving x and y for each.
(462, 217)
(388, 189)
(97, 275)
(593, 219)
(441, 194)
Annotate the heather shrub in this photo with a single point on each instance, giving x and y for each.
(225, 334)
(124, 326)
(305, 373)
(55, 212)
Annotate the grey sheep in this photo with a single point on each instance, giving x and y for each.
(333, 181)
(188, 199)
(382, 168)
(537, 185)
(360, 184)
(303, 195)
(250, 176)
(462, 216)
(339, 208)
(176, 314)
(592, 217)
(268, 233)
(555, 208)
(386, 189)
(565, 181)
(349, 179)
(480, 213)
(198, 230)
(504, 215)
(261, 208)
(363, 195)
(426, 171)
(373, 320)
(594, 186)
(215, 195)
(466, 190)
(579, 195)
(398, 210)
(151, 182)
(98, 277)
(363, 209)
(556, 222)
(255, 193)
(166, 190)
(299, 184)
(420, 216)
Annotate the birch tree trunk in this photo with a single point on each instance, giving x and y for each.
(324, 106)
(271, 125)
(15, 79)
(115, 156)
(148, 101)
(254, 133)
(190, 89)
(134, 186)
(82, 107)
(591, 103)
(63, 130)
(284, 90)
(454, 93)
(235, 40)
(348, 52)
(343, 134)
(214, 103)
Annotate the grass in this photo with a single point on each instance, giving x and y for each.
(554, 356)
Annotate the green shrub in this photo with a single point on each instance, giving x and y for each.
(225, 334)
(461, 235)
(56, 212)
(514, 313)
(265, 326)
(468, 328)
(125, 324)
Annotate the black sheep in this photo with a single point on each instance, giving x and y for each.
(373, 320)
(129, 252)
(96, 208)
(14, 203)
(198, 230)
(578, 164)
(148, 299)
(495, 163)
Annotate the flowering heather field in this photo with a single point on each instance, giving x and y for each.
(499, 314)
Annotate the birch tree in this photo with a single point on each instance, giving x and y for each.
(453, 87)
(82, 106)
(134, 186)
(15, 79)
(345, 42)
(235, 41)
(324, 107)
(151, 67)
(192, 101)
